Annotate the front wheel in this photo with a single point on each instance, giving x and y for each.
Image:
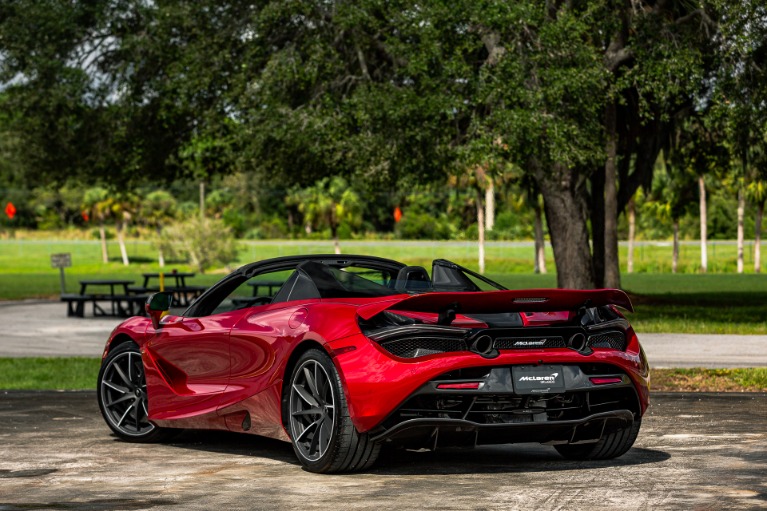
(323, 436)
(123, 399)
(608, 447)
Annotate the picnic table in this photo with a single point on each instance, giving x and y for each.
(183, 293)
(121, 302)
(271, 285)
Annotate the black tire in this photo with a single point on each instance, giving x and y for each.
(121, 392)
(323, 436)
(608, 447)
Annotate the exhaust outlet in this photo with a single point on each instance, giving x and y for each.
(483, 345)
(577, 342)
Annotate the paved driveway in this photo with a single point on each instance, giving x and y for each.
(695, 451)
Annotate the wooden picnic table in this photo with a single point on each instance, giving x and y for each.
(269, 284)
(121, 301)
(183, 293)
(84, 284)
(178, 277)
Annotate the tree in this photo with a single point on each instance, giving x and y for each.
(158, 209)
(205, 242)
(329, 203)
(123, 206)
(96, 201)
(742, 99)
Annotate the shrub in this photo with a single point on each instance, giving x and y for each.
(415, 226)
(204, 243)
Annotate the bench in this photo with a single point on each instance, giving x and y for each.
(120, 305)
(76, 304)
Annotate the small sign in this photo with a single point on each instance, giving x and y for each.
(397, 214)
(61, 260)
(10, 210)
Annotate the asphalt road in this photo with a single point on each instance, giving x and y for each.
(695, 451)
(43, 329)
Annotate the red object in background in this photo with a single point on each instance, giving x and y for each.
(86, 216)
(10, 210)
(397, 214)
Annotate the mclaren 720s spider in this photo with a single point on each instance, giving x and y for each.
(340, 355)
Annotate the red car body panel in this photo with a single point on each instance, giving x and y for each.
(212, 372)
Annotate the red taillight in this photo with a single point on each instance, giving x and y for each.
(606, 381)
(473, 385)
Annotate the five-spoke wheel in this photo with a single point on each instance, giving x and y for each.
(317, 417)
(122, 395)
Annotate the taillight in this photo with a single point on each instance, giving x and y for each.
(605, 380)
(472, 385)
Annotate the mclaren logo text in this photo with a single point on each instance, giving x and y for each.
(542, 379)
(531, 343)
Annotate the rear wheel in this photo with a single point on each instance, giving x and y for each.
(123, 399)
(609, 446)
(323, 436)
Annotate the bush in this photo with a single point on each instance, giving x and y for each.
(415, 226)
(274, 228)
(204, 243)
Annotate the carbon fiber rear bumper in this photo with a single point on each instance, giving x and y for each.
(457, 432)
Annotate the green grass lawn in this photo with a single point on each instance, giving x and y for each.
(38, 373)
(665, 302)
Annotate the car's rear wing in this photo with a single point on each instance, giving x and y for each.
(486, 302)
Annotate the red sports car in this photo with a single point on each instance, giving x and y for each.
(342, 354)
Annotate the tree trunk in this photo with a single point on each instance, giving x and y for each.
(103, 237)
(202, 199)
(540, 242)
(481, 233)
(598, 227)
(336, 244)
(566, 220)
(758, 237)
(675, 257)
(160, 255)
(612, 270)
(632, 214)
(121, 241)
(741, 213)
(703, 226)
(490, 205)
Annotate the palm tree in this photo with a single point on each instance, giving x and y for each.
(96, 201)
(328, 203)
(157, 209)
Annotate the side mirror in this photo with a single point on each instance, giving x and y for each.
(157, 305)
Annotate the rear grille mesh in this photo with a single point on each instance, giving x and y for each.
(526, 343)
(412, 347)
(614, 340)
(420, 346)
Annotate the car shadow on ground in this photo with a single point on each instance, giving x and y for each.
(484, 459)
(500, 459)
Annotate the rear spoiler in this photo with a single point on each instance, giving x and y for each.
(528, 300)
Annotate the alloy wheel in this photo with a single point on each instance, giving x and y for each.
(312, 410)
(123, 395)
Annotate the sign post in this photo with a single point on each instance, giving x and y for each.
(61, 261)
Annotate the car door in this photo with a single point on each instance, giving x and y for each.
(192, 357)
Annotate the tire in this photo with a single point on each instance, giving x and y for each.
(121, 392)
(608, 447)
(323, 436)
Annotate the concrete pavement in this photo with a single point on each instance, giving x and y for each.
(42, 328)
(694, 451)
